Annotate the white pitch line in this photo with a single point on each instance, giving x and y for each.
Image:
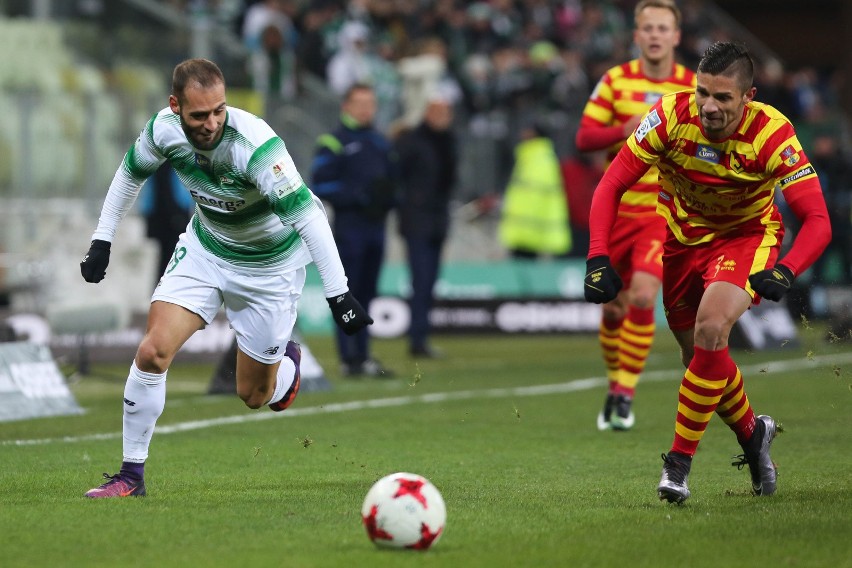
(535, 390)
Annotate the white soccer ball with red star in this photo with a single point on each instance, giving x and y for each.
(404, 510)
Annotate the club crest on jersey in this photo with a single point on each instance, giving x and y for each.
(707, 154)
(203, 162)
(735, 163)
(650, 122)
(789, 155)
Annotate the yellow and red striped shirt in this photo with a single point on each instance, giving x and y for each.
(623, 92)
(709, 188)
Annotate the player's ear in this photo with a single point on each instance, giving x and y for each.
(174, 104)
(748, 96)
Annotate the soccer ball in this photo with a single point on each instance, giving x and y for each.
(404, 510)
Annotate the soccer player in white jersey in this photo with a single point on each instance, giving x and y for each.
(255, 228)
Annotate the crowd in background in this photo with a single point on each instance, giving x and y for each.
(509, 63)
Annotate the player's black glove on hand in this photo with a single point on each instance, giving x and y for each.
(602, 282)
(348, 313)
(94, 264)
(772, 283)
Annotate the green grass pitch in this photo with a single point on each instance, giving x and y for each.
(504, 427)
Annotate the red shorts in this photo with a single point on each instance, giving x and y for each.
(689, 270)
(636, 245)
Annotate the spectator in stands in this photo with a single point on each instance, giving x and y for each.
(353, 170)
(273, 66)
(428, 170)
(318, 36)
(259, 16)
(424, 73)
(353, 63)
(534, 220)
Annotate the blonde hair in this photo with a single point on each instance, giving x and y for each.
(667, 4)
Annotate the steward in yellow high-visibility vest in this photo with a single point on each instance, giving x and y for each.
(534, 218)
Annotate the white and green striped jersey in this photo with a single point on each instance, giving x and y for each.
(251, 202)
(253, 209)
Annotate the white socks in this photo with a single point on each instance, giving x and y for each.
(284, 379)
(144, 400)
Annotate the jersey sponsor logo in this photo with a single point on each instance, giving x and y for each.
(789, 155)
(271, 350)
(652, 98)
(707, 154)
(212, 201)
(225, 180)
(798, 175)
(203, 162)
(288, 187)
(650, 122)
(665, 196)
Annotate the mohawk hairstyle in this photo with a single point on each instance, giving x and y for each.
(729, 59)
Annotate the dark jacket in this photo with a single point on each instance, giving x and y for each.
(427, 165)
(354, 171)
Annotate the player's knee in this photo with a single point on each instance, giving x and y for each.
(711, 332)
(643, 294)
(152, 360)
(613, 311)
(643, 300)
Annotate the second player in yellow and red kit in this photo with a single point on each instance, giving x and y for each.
(722, 158)
(622, 97)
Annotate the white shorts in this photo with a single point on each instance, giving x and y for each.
(259, 305)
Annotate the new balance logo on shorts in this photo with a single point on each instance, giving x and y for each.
(129, 402)
(271, 351)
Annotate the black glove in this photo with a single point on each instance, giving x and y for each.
(348, 313)
(94, 264)
(602, 282)
(772, 283)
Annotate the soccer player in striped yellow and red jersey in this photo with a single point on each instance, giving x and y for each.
(622, 97)
(721, 156)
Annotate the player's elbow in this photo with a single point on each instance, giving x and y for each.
(582, 142)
